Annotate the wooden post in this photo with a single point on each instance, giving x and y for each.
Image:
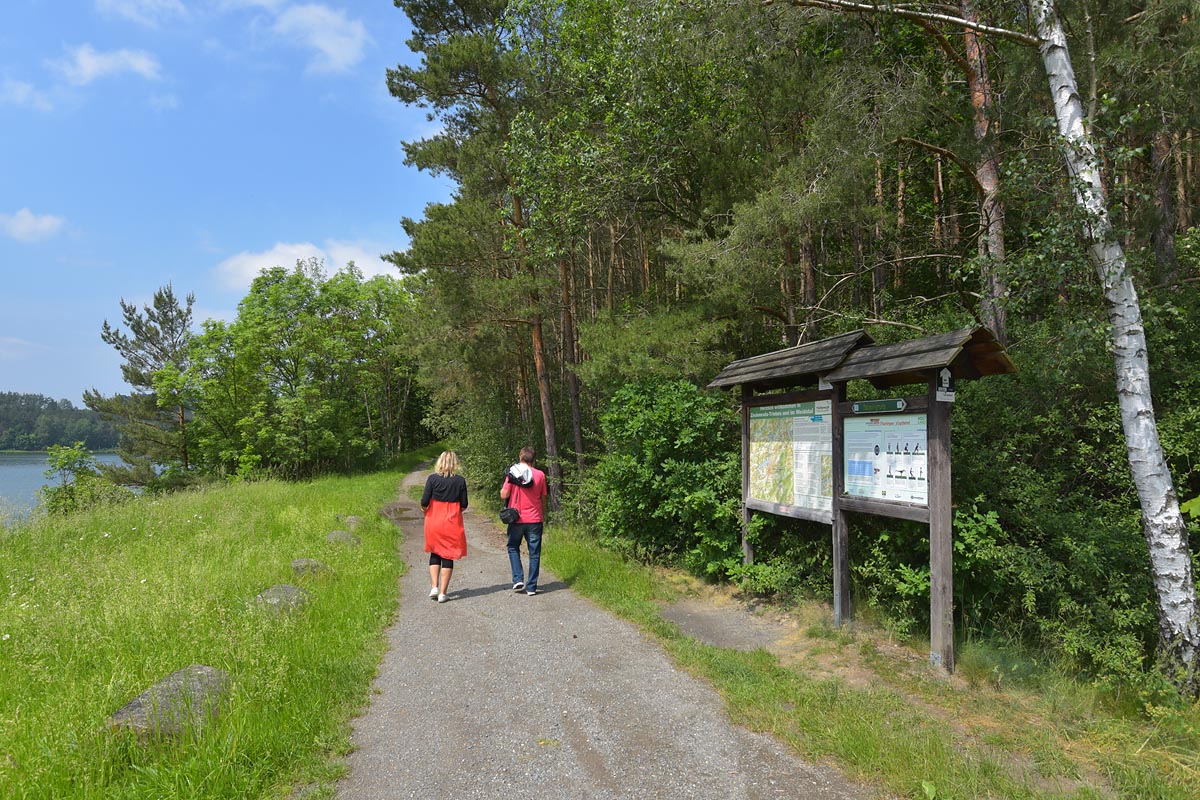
(841, 525)
(747, 547)
(941, 534)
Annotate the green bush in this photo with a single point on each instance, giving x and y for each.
(668, 484)
(1048, 547)
(81, 486)
(1048, 542)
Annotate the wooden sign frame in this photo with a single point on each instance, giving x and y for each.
(935, 361)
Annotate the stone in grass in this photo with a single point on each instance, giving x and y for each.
(282, 598)
(352, 523)
(188, 698)
(309, 566)
(342, 537)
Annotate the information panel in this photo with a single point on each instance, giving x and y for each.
(791, 459)
(886, 458)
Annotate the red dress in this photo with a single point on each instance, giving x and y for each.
(444, 499)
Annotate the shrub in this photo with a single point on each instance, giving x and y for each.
(668, 484)
(81, 486)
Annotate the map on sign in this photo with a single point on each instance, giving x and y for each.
(886, 458)
(791, 458)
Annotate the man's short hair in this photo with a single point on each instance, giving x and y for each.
(527, 455)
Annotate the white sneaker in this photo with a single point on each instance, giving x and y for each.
(433, 593)
(518, 586)
(441, 598)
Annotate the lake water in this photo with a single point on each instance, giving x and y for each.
(23, 474)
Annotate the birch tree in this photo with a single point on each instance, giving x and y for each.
(1162, 523)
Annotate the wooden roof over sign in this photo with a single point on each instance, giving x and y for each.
(968, 352)
(793, 366)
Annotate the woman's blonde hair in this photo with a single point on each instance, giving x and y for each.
(447, 464)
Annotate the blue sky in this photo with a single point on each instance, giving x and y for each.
(191, 142)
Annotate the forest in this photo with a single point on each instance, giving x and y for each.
(35, 422)
(649, 190)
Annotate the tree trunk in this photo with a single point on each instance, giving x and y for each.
(808, 272)
(1163, 236)
(991, 208)
(787, 287)
(938, 205)
(901, 220)
(543, 379)
(183, 443)
(856, 235)
(570, 359)
(878, 274)
(1181, 193)
(1162, 524)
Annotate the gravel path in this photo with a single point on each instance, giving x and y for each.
(500, 695)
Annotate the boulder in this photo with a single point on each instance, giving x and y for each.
(309, 566)
(188, 698)
(282, 598)
(343, 537)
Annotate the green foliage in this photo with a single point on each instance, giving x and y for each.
(81, 485)
(675, 184)
(315, 374)
(660, 347)
(155, 344)
(34, 422)
(1048, 549)
(667, 482)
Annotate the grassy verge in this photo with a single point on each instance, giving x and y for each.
(97, 607)
(893, 723)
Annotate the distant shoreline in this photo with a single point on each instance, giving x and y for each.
(109, 451)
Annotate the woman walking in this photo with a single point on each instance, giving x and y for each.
(444, 500)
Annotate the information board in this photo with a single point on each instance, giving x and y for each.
(886, 458)
(791, 459)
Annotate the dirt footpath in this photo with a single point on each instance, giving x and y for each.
(495, 694)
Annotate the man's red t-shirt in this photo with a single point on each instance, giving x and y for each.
(527, 500)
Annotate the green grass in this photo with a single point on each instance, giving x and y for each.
(97, 607)
(909, 732)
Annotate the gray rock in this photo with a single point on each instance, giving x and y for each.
(309, 566)
(282, 598)
(343, 537)
(188, 698)
(352, 523)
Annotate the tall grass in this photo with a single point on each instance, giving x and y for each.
(97, 607)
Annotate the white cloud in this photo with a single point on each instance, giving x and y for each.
(164, 102)
(19, 93)
(11, 348)
(365, 256)
(144, 12)
(86, 64)
(338, 41)
(239, 271)
(25, 226)
(270, 5)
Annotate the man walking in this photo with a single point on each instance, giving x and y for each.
(526, 485)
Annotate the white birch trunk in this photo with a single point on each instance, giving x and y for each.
(1162, 523)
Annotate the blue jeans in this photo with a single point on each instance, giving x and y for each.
(531, 532)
